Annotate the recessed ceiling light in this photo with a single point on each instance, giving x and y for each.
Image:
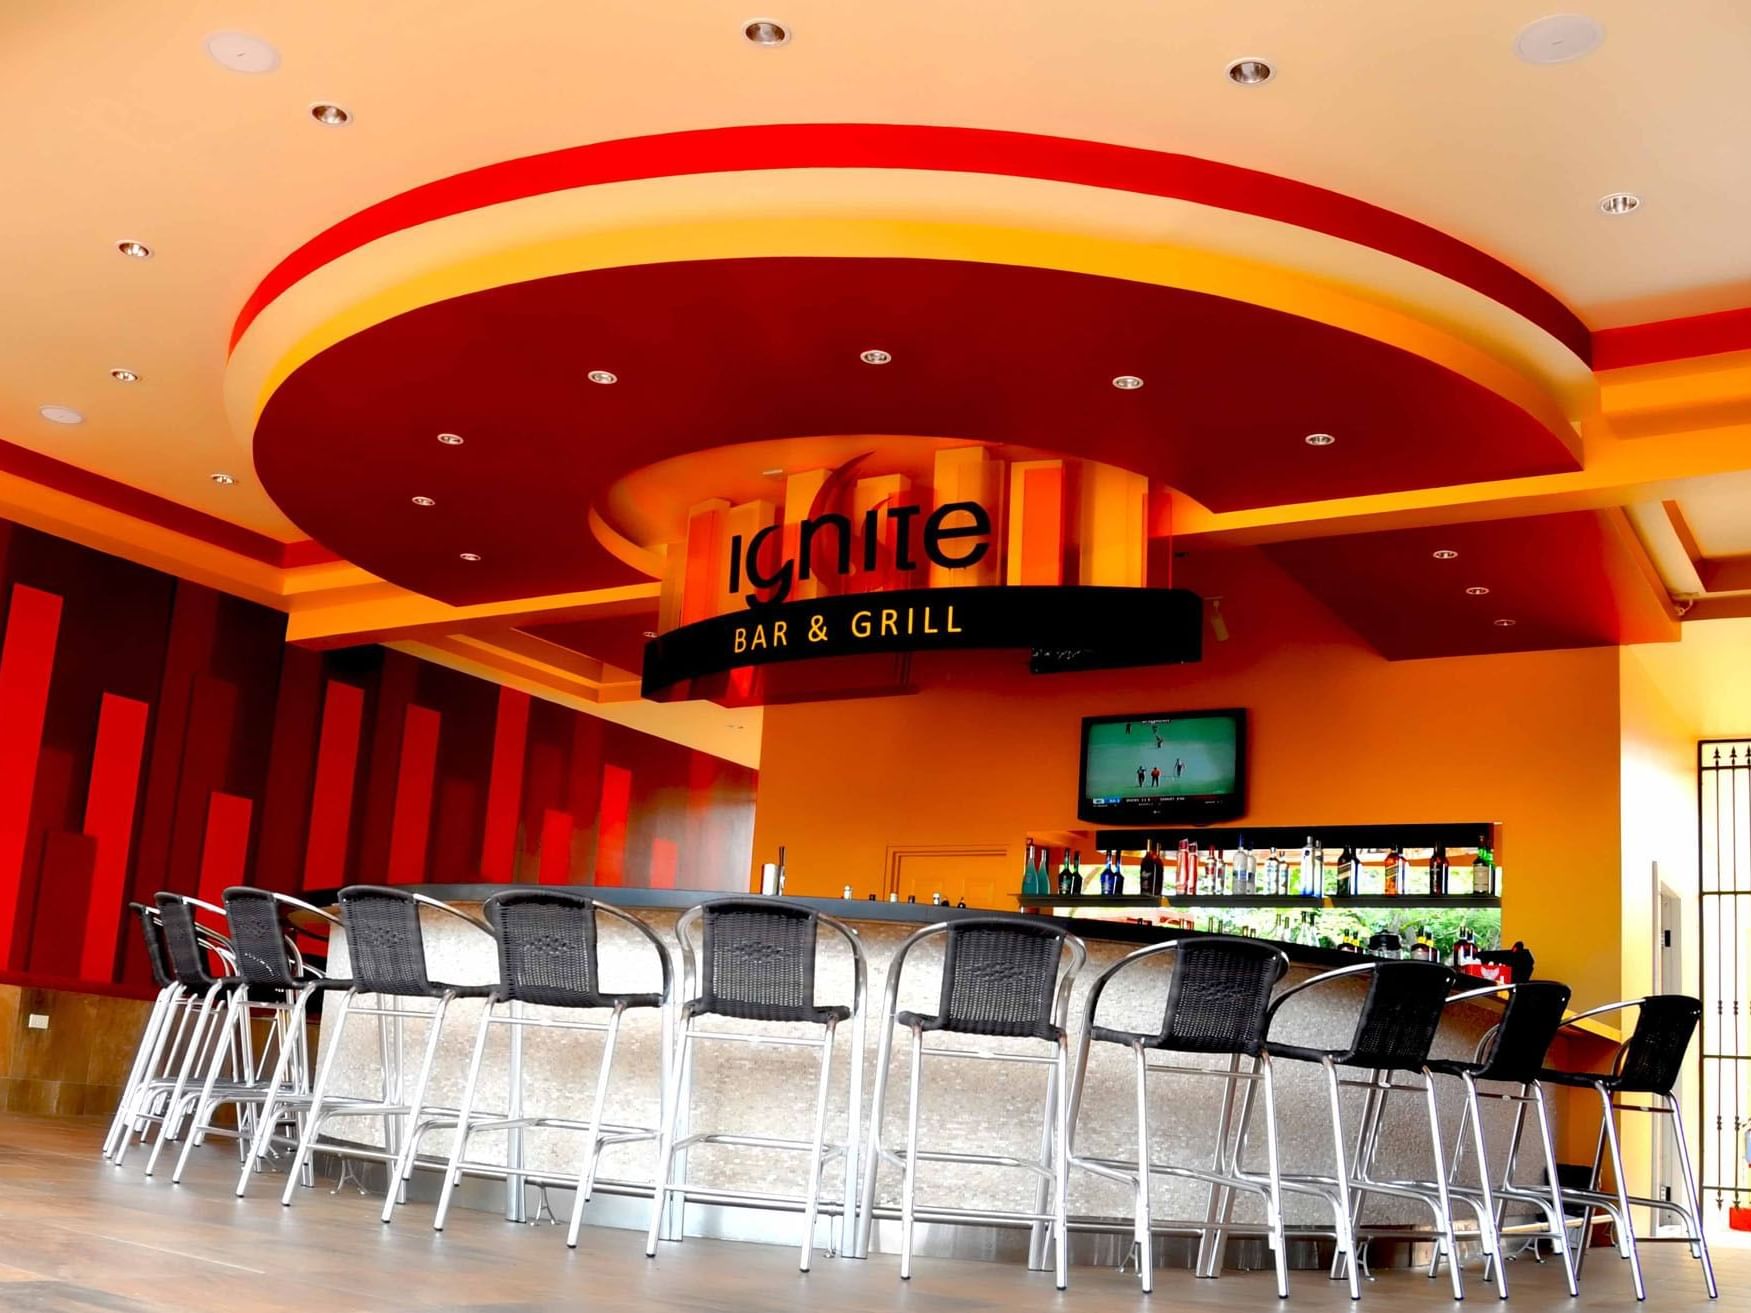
(1319, 439)
(1505, 624)
(1446, 554)
(1127, 382)
(603, 376)
(330, 116)
(766, 32)
(242, 53)
(650, 633)
(450, 439)
(1558, 39)
(424, 501)
(773, 473)
(60, 414)
(1477, 590)
(875, 356)
(1620, 202)
(1251, 71)
(124, 376)
(134, 250)
(469, 556)
(223, 479)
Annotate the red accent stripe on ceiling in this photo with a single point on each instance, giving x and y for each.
(90, 486)
(27, 659)
(331, 801)
(411, 825)
(611, 825)
(510, 735)
(935, 149)
(225, 850)
(109, 820)
(1672, 339)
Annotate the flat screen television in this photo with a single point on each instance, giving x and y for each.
(1164, 768)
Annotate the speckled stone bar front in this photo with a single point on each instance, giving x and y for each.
(972, 1106)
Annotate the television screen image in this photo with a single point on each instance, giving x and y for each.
(1162, 766)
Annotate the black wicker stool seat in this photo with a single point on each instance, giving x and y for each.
(1516, 1053)
(1653, 1056)
(182, 941)
(1216, 999)
(386, 948)
(999, 977)
(1397, 1022)
(757, 962)
(547, 951)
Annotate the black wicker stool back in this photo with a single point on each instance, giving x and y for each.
(1218, 996)
(155, 954)
(384, 943)
(1523, 1036)
(757, 960)
(547, 947)
(182, 941)
(258, 938)
(999, 977)
(1400, 1016)
(1653, 1057)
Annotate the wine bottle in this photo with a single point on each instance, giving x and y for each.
(1064, 874)
(1438, 872)
(1027, 871)
(1076, 876)
(1480, 868)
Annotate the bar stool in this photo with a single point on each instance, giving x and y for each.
(1512, 1054)
(388, 960)
(163, 1030)
(1648, 1063)
(1001, 976)
(1216, 1001)
(271, 976)
(191, 949)
(755, 961)
(1394, 1030)
(547, 942)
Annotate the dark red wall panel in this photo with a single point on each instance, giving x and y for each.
(611, 825)
(331, 801)
(412, 825)
(109, 820)
(27, 661)
(505, 786)
(225, 850)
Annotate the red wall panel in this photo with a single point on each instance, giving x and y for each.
(109, 820)
(226, 848)
(27, 660)
(498, 855)
(331, 800)
(412, 825)
(611, 825)
(64, 872)
(665, 858)
(556, 846)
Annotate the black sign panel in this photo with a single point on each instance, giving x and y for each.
(1069, 628)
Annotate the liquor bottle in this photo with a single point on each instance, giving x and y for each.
(1242, 872)
(1064, 874)
(1346, 881)
(1076, 875)
(1109, 878)
(1395, 872)
(1423, 947)
(1027, 871)
(1464, 949)
(1438, 872)
(1309, 873)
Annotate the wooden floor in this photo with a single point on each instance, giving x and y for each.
(78, 1236)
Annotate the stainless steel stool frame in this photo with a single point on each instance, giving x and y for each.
(600, 1133)
(1137, 1173)
(402, 1160)
(165, 1025)
(672, 1145)
(1053, 1164)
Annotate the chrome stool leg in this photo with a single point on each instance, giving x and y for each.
(1693, 1205)
(1142, 1227)
(1444, 1212)
(1273, 1155)
(665, 1167)
(403, 1171)
(812, 1197)
(1558, 1222)
(1489, 1228)
(1344, 1214)
(909, 1184)
(288, 1065)
(318, 1094)
(1626, 1222)
(464, 1112)
(197, 1046)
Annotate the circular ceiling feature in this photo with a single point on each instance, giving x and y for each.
(424, 501)
(134, 250)
(1558, 39)
(330, 115)
(1620, 202)
(875, 356)
(603, 377)
(766, 32)
(1446, 554)
(60, 414)
(242, 53)
(1505, 623)
(1477, 590)
(450, 439)
(1127, 382)
(469, 556)
(1319, 439)
(124, 376)
(223, 479)
(1250, 72)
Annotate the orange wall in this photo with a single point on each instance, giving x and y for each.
(987, 755)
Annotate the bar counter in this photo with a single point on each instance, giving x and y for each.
(980, 1106)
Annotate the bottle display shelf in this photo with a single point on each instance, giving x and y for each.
(1034, 901)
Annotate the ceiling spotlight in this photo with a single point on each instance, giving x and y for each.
(469, 556)
(602, 376)
(1477, 590)
(60, 414)
(1504, 624)
(774, 473)
(650, 633)
(1620, 202)
(450, 439)
(1127, 382)
(1250, 72)
(1319, 439)
(766, 32)
(1558, 39)
(330, 116)
(242, 53)
(135, 250)
(875, 356)
(1446, 554)
(424, 501)
(223, 479)
(124, 376)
